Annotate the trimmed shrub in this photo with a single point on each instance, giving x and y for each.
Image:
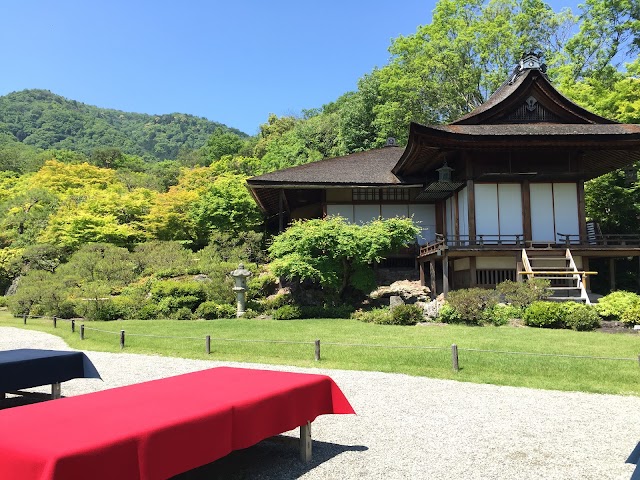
(213, 310)
(249, 313)
(340, 311)
(3, 301)
(500, 314)
(272, 303)
(612, 306)
(148, 311)
(183, 313)
(406, 315)
(448, 314)
(287, 312)
(523, 294)
(631, 316)
(545, 315)
(581, 317)
(472, 304)
(381, 316)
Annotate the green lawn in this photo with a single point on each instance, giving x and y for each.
(548, 372)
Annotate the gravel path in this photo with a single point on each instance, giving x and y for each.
(411, 427)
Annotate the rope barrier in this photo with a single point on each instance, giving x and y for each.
(560, 355)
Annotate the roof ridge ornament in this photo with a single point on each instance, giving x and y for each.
(529, 61)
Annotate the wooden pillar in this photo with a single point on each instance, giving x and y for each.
(281, 211)
(445, 274)
(423, 280)
(587, 279)
(471, 210)
(519, 267)
(612, 274)
(432, 278)
(456, 217)
(582, 215)
(473, 278)
(526, 211)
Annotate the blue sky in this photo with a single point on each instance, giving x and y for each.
(232, 62)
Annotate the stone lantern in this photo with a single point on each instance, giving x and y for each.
(240, 276)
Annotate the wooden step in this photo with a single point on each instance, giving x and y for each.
(559, 269)
(549, 258)
(566, 299)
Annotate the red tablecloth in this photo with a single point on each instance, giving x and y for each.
(157, 429)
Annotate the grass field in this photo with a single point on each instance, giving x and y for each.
(397, 349)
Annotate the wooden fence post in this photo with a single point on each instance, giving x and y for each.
(317, 343)
(454, 357)
(24, 318)
(55, 322)
(207, 344)
(82, 331)
(121, 339)
(73, 326)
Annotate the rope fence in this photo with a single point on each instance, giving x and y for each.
(455, 360)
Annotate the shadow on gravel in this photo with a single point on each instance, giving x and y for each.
(275, 458)
(26, 399)
(267, 460)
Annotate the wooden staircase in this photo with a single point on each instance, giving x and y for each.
(557, 266)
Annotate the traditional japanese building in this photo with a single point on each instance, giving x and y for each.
(498, 194)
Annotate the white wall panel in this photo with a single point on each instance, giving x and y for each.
(565, 206)
(424, 217)
(487, 209)
(345, 211)
(510, 208)
(542, 218)
(392, 211)
(463, 212)
(366, 213)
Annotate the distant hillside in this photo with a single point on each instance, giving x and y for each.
(45, 120)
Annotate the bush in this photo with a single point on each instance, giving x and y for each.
(340, 311)
(183, 313)
(631, 316)
(612, 306)
(212, 310)
(523, 294)
(501, 314)
(448, 314)
(3, 301)
(472, 304)
(581, 317)
(271, 303)
(406, 315)
(545, 315)
(287, 312)
(262, 285)
(381, 316)
(249, 313)
(148, 311)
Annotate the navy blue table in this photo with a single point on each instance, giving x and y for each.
(26, 368)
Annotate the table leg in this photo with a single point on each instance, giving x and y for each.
(305, 442)
(55, 390)
(3, 395)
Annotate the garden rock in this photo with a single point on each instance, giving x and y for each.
(395, 300)
(409, 291)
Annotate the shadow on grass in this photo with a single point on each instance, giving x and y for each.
(267, 460)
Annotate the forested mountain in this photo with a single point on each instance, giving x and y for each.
(47, 121)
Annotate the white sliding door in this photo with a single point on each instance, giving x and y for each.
(392, 211)
(487, 209)
(510, 209)
(424, 216)
(565, 208)
(366, 213)
(542, 221)
(463, 212)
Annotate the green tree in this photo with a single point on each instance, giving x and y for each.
(336, 254)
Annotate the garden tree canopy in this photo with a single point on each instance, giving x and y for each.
(337, 254)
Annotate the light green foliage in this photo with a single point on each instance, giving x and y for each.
(501, 314)
(380, 316)
(287, 312)
(448, 314)
(222, 143)
(581, 317)
(162, 258)
(612, 306)
(336, 254)
(473, 305)
(406, 315)
(545, 315)
(213, 310)
(522, 294)
(631, 315)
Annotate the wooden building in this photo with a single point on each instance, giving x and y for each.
(499, 193)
